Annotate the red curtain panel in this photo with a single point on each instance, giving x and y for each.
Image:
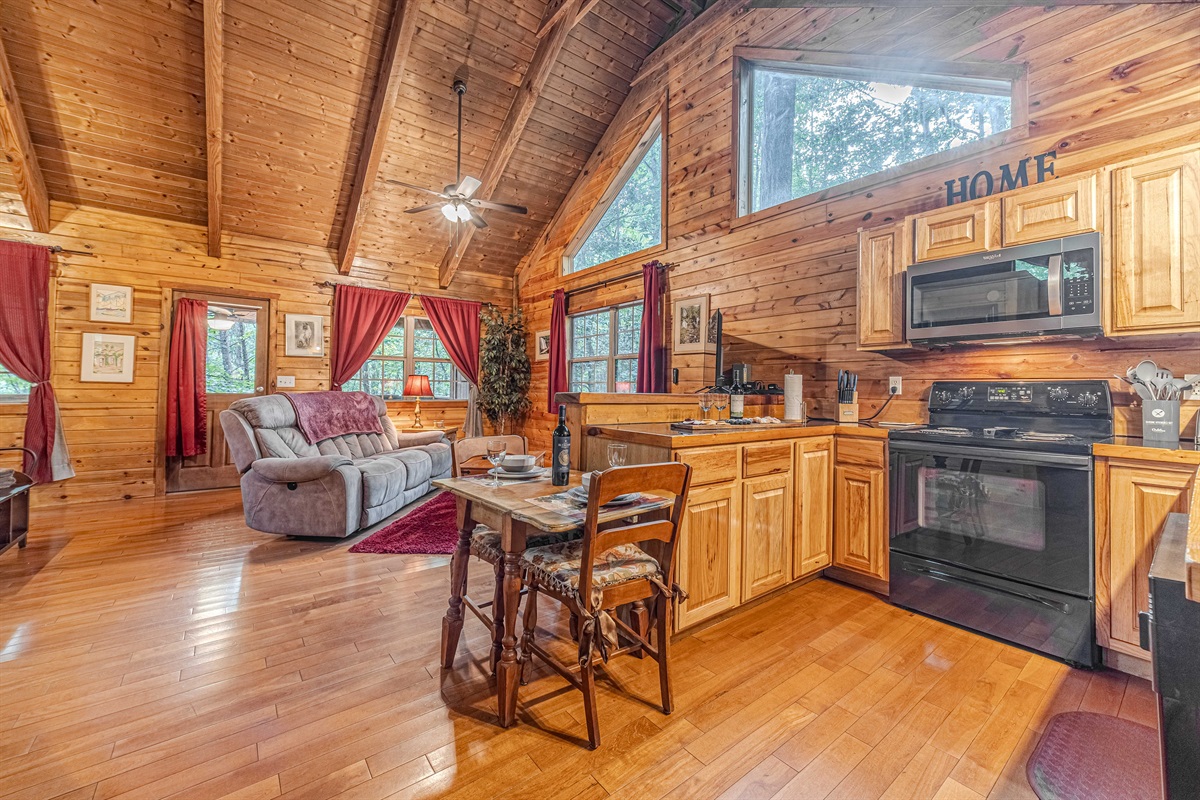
(558, 349)
(361, 319)
(25, 345)
(456, 322)
(187, 398)
(651, 374)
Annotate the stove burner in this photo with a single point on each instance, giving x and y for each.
(947, 431)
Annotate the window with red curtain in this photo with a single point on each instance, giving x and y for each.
(361, 320)
(651, 374)
(558, 349)
(187, 398)
(456, 323)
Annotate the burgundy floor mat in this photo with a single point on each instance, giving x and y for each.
(1086, 756)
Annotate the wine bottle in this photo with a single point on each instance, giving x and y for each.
(737, 402)
(560, 468)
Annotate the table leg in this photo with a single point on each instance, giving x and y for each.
(508, 670)
(452, 623)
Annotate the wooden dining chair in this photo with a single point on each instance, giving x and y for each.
(607, 568)
(464, 450)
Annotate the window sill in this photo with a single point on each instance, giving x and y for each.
(877, 180)
(427, 403)
(14, 407)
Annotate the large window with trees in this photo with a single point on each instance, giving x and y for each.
(412, 347)
(808, 126)
(12, 388)
(603, 349)
(629, 217)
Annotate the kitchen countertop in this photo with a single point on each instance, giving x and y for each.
(1133, 447)
(661, 434)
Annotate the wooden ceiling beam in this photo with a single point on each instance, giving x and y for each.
(401, 31)
(18, 150)
(214, 116)
(560, 21)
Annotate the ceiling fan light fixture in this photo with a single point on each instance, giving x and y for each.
(450, 212)
(463, 212)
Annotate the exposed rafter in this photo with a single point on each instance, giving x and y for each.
(214, 115)
(559, 22)
(379, 120)
(18, 149)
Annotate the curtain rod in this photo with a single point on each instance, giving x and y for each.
(59, 249)
(601, 284)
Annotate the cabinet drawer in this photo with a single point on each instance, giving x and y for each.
(766, 459)
(710, 464)
(867, 452)
(958, 230)
(1061, 208)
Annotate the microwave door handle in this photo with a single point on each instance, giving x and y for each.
(1054, 285)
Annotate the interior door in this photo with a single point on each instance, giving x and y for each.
(236, 367)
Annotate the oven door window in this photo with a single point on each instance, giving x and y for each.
(1000, 292)
(1028, 522)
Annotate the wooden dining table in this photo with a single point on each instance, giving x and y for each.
(479, 465)
(507, 510)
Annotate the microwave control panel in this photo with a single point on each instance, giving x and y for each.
(1079, 282)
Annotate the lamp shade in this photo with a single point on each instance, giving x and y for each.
(417, 386)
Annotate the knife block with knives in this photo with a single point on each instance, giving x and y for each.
(847, 397)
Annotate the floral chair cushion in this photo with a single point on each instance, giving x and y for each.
(559, 565)
(485, 542)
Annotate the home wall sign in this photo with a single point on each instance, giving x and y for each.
(984, 183)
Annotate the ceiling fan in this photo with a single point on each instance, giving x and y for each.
(457, 201)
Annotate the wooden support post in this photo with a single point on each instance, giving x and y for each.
(18, 150)
(214, 115)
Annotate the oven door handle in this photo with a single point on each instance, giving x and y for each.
(946, 577)
(1062, 460)
(1054, 286)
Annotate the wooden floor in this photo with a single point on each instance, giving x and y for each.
(159, 649)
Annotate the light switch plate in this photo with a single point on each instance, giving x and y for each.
(1195, 393)
(285, 381)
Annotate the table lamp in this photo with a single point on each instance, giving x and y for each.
(417, 386)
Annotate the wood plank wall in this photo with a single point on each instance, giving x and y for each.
(1105, 84)
(112, 429)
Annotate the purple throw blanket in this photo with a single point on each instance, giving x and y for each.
(323, 415)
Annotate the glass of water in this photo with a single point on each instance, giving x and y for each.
(706, 402)
(496, 449)
(616, 454)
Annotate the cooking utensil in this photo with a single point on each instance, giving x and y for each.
(1146, 371)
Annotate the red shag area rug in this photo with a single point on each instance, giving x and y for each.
(429, 529)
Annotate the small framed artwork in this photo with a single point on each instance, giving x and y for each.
(108, 358)
(542, 343)
(689, 324)
(111, 303)
(305, 335)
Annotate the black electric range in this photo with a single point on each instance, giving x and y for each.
(991, 513)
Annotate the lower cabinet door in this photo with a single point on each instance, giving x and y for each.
(708, 557)
(812, 544)
(860, 520)
(766, 534)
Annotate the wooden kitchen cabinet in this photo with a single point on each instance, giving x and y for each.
(708, 560)
(766, 534)
(882, 259)
(860, 535)
(1155, 272)
(812, 543)
(1062, 207)
(958, 230)
(1133, 501)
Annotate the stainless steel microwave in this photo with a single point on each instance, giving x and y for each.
(1049, 288)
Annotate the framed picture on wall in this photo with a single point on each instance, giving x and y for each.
(542, 345)
(689, 324)
(111, 303)
(304, 335)
(107, 358)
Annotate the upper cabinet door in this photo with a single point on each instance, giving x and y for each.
(881, 263)
(1156, 245)
(958, 230)
(1047, 211)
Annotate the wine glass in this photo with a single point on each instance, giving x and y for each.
(720, 402)
(616, 454)
(496, 449)
(706, 402)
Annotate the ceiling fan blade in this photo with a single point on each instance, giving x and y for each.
(467, 186)
(478, 221)
(421, 189)
(419, 209)
(499, 206)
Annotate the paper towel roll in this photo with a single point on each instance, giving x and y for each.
(793, 397)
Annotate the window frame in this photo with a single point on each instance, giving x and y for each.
(655, 128)
(613, 356)
(458, 382)
(852, 66)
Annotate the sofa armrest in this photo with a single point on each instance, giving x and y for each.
(404, 440)
(298, 470)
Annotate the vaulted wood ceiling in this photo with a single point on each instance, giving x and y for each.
(113, 92)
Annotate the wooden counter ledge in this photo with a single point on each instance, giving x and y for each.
(661, 434)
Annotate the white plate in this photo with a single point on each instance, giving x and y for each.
(578, 493)
(536, 472)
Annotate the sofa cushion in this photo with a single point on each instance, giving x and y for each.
(383, 480)
(287, 443)
(439, 456)
(356, 445)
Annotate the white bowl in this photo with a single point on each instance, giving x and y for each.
(587, 479)
(517, 463)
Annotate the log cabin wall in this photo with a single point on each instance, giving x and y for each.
(112, 429)
(1105, 84)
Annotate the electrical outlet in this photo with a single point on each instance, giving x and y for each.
(1195, 393)
(895, 385)
(285, 381)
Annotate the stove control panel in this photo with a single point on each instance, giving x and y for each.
(1018, 393)
(1039, 398)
